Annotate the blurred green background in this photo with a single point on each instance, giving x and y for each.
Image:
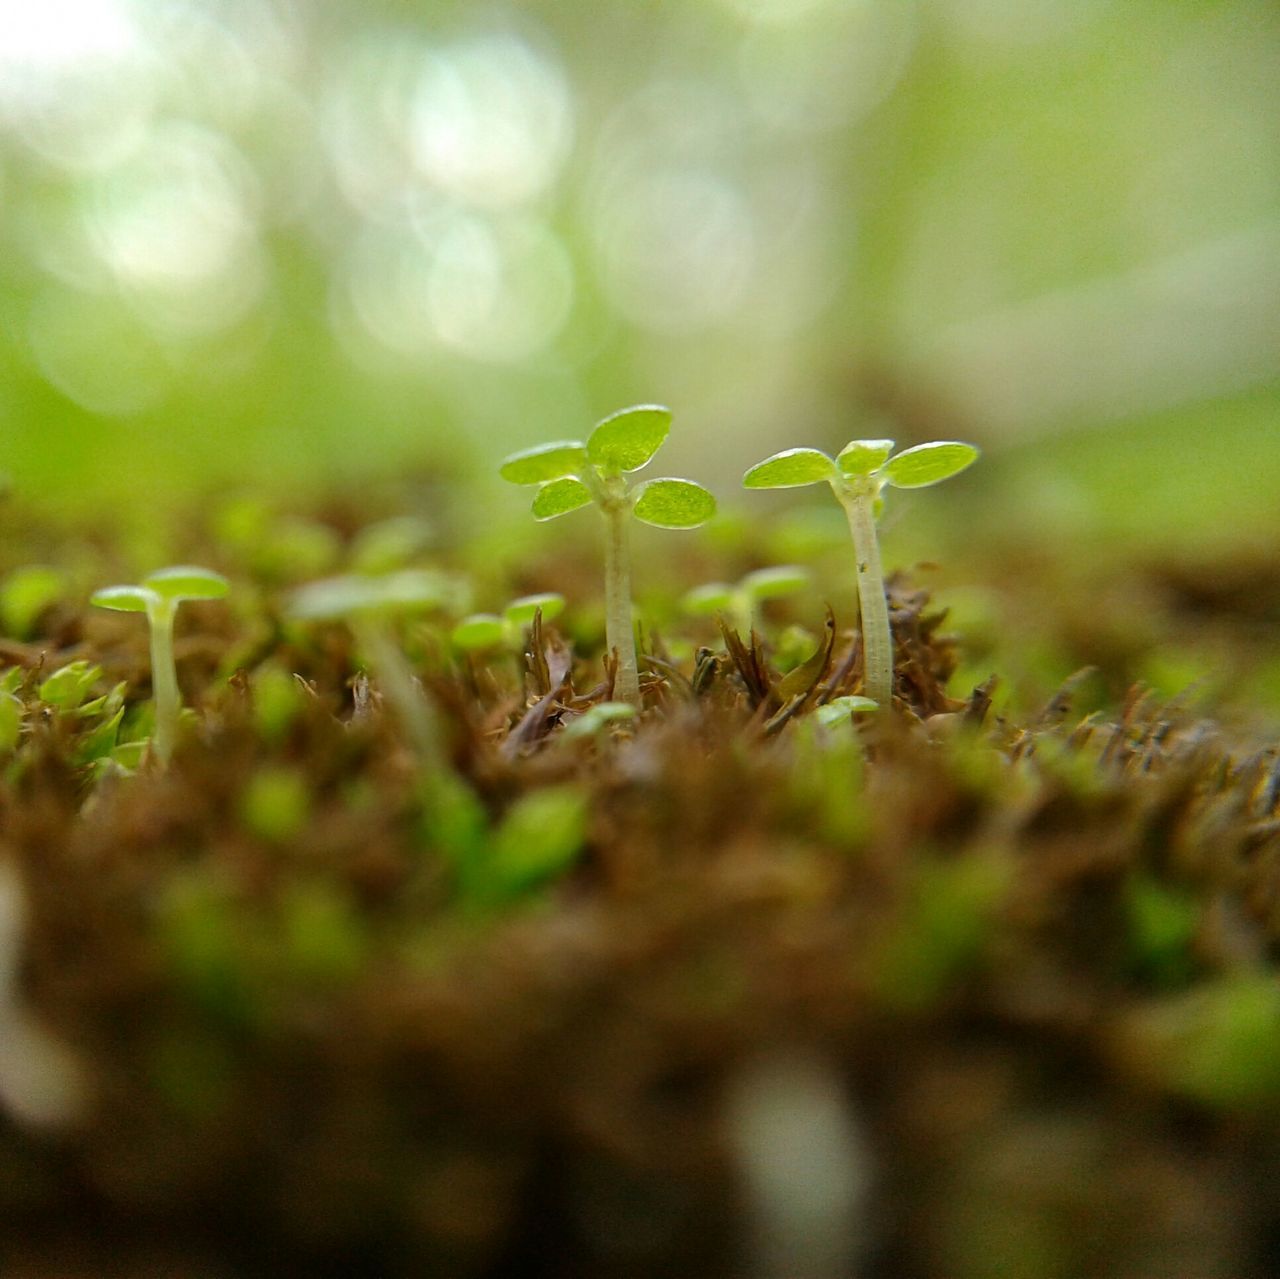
(299, 244)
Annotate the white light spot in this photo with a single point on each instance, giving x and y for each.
(490, 121)
(175, 228)
(676, 249)
(75, 79)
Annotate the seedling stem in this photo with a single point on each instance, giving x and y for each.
(877, 639)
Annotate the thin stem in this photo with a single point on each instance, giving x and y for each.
(164, 680)
(877, 639)
(619, 630)
(406, 696)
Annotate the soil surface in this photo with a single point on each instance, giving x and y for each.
(738, 987)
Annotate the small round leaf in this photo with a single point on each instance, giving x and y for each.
(674, 503)
(771, 583)
(790, 469)
(187, 582)
(559, 497)
(125, 599)
(544, 462)
(840, 709)
(928, 464)
(626, 440)
(861, 457)
(702, 601)
(591, 721)
(520, 612)
(335, 597)
(480, 630)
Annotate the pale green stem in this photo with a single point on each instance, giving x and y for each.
(619, 630)
(407, 698)
(743, 607)
(877, 639)
(164, 680)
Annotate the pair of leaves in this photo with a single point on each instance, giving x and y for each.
(409, 590)
(624, 441)
(761, 584)
(165, 585)
(488, 630)
(916, 467)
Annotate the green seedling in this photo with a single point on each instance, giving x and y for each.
(489, 630)
(857, 476)
(158, 596)
(570, 474)
(741, 601)
(371, 607)
(594, 720)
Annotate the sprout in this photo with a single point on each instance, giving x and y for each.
(742, 600)
(488, 630)
(158, 596)
(369, 605)
(570, 474)
(593, 720)
(856, 476)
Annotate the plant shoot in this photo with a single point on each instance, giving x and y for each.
(370, 606)
(573, 473)
(857, 476)
(158, 596)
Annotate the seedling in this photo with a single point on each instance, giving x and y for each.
(570, 474)
(370, 606)
(742, 601)
(857, 475)
(489, 630)
(595, 719)
(158, 596)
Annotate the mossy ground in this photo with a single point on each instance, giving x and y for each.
(319, 1014)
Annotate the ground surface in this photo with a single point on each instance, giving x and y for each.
(964, 991)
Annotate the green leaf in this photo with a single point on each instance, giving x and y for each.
(544, 462)
(99, 742)
(772, 583)
(702, 601)
(125, 599)
(540, 838)
(590, 722)
(480, 630)
(187, 582)
(10, 722)
(335, 597)
(521, 612)
(928, 464)
(67, 686)
(790, 469)
(559, 497)
(673, 503)
(626, 440)
(838, 710)
(26, 593)
(861, 457)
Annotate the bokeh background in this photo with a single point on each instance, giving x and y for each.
(302, 245)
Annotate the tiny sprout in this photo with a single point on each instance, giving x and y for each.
(369, 605)
(488, 630)
(158, 596)
(840, 709)
(856, 476)
(592, 721)
(570, 474)
(742, 600)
